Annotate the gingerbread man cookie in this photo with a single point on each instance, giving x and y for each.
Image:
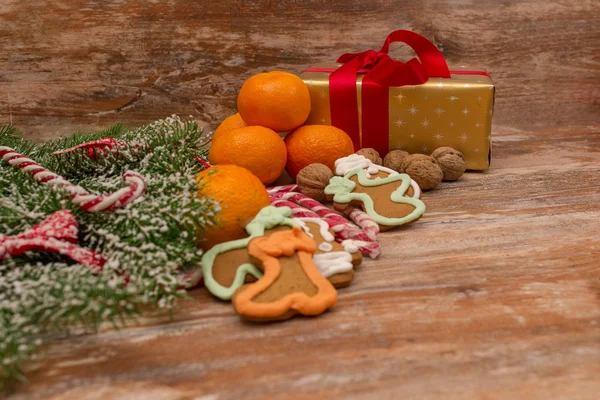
(345, 165)
(335, 261)
(383, 199)
(227, 266)
(291, 283)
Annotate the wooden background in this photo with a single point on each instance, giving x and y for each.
(69, 64)
(495, 293)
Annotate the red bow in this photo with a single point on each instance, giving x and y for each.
(381, 72)
(58, 234)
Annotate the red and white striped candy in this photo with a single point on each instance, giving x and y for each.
(57, 234)
(282, 189)
(304, 206)
(362, 219)
(80, 196)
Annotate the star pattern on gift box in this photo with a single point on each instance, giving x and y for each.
(438, 113)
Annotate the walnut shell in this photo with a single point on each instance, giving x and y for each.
(312, 180)
(424, 170)
(393, 160)
(451, 161)
(371, 154)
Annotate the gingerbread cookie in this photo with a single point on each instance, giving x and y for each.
(383, 199)
(345, 165)
(335, 261)
(291, 283)
(227, 266)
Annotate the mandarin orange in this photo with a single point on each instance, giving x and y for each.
(256, 148)
(316, 144)
(232, 122)
(240, 195)
(277, 100)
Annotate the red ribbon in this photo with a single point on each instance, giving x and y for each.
(381, 73)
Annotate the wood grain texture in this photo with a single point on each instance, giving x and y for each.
(72, 64)
(493, 294)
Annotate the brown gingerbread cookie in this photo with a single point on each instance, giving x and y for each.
(227, 266)
(291, 283)
(383, 199)
(345, 165)
(334, 260)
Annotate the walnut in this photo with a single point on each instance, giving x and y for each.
(393, 160)
(423, 169)
(452, 162)
(371, 154)
(312, 180)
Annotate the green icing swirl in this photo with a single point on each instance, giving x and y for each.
(267, 218)
(342, 191)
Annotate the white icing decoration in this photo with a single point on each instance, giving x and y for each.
(333, 263)
(353, 161)
(349, 245)
(303, 226)
(325, 247)
(416, 189)
(323, 227)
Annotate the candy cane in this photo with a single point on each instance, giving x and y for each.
(80, 196)
(362, 219)
(297, 210)
(343, 229)
(56, 234)
(282, 189)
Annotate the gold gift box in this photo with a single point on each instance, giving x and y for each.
(455, 112)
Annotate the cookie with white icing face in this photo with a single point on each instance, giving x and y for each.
(345, 165)
(334, 260)
(390, 199)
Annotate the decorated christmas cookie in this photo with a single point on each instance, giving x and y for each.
(227, 266)
(291, 283)
(383, 198)
(345, 165)
(334, 260)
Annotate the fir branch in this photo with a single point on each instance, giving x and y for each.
(146, 243)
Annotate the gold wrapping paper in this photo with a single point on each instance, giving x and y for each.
(455, 112)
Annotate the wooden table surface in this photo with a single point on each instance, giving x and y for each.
(494, 293)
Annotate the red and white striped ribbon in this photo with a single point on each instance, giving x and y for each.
(80, 196)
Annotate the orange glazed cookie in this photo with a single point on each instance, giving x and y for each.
(291, 283)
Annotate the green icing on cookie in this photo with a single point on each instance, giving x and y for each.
(342, 190)
(267, 218)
